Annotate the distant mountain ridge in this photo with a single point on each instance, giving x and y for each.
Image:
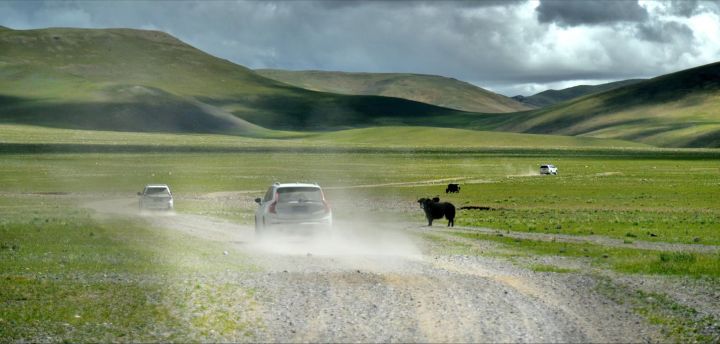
(430, 89)
(673, 110)
(139, 80)
(551, 97)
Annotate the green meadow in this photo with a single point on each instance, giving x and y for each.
(605, 187)
(69, 273)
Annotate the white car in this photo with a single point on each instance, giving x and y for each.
(548, 169)
(293, 208)
(156, 196)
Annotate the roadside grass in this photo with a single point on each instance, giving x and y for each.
(550, 268)
(238, 211)
(67, 276)
(691, 227)
(626, 260)
(681, 323)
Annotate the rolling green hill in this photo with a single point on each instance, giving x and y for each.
(674, 110)
(446, 139)
(423, 137)
(430, 89)
(137, 80)
(550, 97)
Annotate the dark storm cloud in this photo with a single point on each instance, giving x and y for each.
(688, 8)
(494, 44)
(340, 4)
(685, 8)
(572, 13)
(664, 32)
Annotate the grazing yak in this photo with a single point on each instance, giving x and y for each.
(452, 188)
(434, 209)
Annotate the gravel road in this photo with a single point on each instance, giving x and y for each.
(384, 286)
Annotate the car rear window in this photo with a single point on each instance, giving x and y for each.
(543, 166)
(157, 191)
(295, 194)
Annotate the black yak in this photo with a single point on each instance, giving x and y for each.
(434, 209)
(452, 188)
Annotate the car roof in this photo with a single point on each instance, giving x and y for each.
(289, 185)
(157, 186)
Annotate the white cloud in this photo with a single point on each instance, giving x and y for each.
(498, 45)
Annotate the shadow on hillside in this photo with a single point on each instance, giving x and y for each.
(666, 88)
(710, 140)
(157, 115)
(322, 111)
(10, 101)
(688, 86)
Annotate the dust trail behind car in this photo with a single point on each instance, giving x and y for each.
(348, 237)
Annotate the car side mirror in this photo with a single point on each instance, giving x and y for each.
(139, 193)
(258, 200)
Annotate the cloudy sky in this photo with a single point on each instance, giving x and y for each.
(511, 47)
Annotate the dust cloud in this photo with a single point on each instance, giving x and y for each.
(346, 238)
(350, 236)
(515, 171)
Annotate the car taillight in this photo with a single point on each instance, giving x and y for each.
(272, 207)
(325, 203)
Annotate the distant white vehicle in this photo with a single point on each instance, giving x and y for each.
(294, 208)
(548, 169)
(156, 196)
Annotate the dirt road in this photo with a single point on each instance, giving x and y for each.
(379, 283)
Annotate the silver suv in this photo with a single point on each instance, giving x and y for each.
(293, 207)
(548, 169)
(156, 196)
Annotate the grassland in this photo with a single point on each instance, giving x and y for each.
(629, 193)
(431, 89)
(624, 260)
(112, 275)
(68, 276)
(378, 137)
